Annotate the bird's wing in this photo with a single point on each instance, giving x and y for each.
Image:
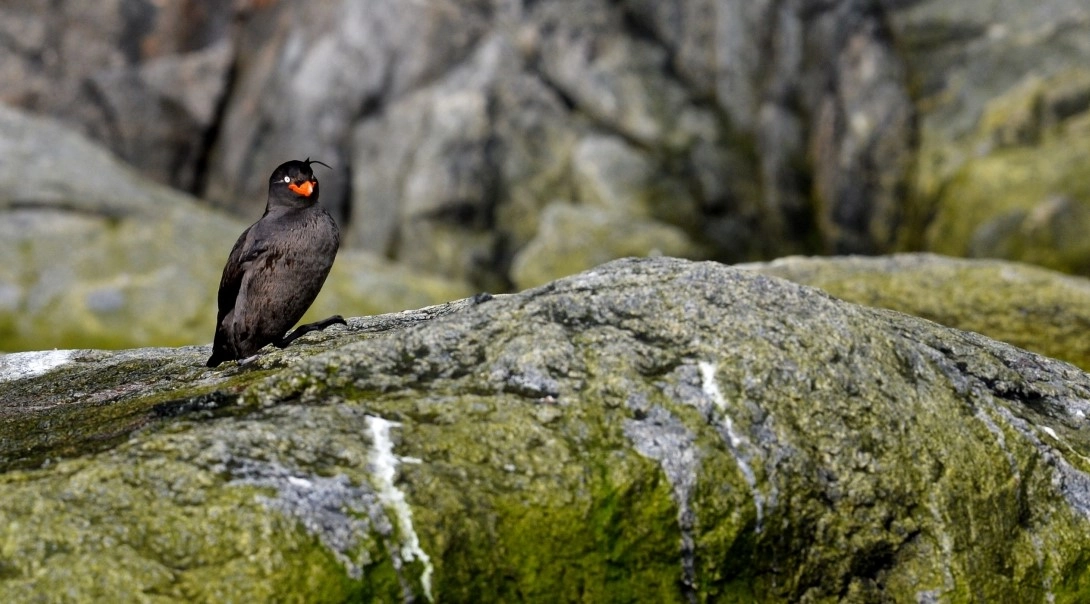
(246, 250)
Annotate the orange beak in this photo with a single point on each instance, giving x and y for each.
(304, 189)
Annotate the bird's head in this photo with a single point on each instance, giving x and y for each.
(295, 179)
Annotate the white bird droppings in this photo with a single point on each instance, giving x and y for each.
(385, 464)
(737, 442)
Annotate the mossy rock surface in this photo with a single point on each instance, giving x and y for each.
(650, 430)
(1028, 306)
(1025, 203)
(1001, 165)
(573, 238)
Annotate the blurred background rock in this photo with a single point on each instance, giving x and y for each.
(498, 144)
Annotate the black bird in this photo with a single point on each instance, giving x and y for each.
(276, 268)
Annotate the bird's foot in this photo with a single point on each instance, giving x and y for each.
(302, 330)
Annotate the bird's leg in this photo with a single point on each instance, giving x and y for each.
(309, 327)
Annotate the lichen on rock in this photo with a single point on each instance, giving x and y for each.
(1028, 306)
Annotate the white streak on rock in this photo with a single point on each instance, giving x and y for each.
(385, 464)
(300, 482)
(23, 365)
(946, 548)
(737, 441)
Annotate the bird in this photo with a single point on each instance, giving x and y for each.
(276, 268)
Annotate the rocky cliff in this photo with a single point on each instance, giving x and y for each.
(651, 430)
(506, 143)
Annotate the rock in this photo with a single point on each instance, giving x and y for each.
(143, 78)
(585, 50)
(308, 72)
(963, 61)
(533, 148)
(1028, 203)
(649, 429)
(152, 112)
(615, 176)
(100, 257)
(97, 255)
(456, 143)
(573, 238)
(362, 283)
(758, 128)
(452, 220)
(1003, 112)
(1027, 306)
(429, 218)
(820, 93)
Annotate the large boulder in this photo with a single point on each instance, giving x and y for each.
(98, 256)
(649, 430)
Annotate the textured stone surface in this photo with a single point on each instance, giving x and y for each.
(758, 128)
(968, 55)
(574, 238)
(651, 429)
(96, 255)
(1030, 307)
(144, 78)
(1028, 202)
(307, 72)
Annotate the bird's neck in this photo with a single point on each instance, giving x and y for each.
(279, 206)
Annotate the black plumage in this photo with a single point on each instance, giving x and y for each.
(276, 269)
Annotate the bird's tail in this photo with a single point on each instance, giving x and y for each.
(221, 351)
(218, 356)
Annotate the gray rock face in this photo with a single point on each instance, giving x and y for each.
(757, 128)
(969, 55)
(95, 255)
(308, 73)
(1004, 97)
(597, 69)
(144, 78)
(649, 429)
(453, 124)
(574, 238)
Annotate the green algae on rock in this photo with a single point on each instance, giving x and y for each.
(574, 238)
(1028, 306)
(650, 430)
(1016, 185)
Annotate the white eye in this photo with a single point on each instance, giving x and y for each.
(287, 179)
